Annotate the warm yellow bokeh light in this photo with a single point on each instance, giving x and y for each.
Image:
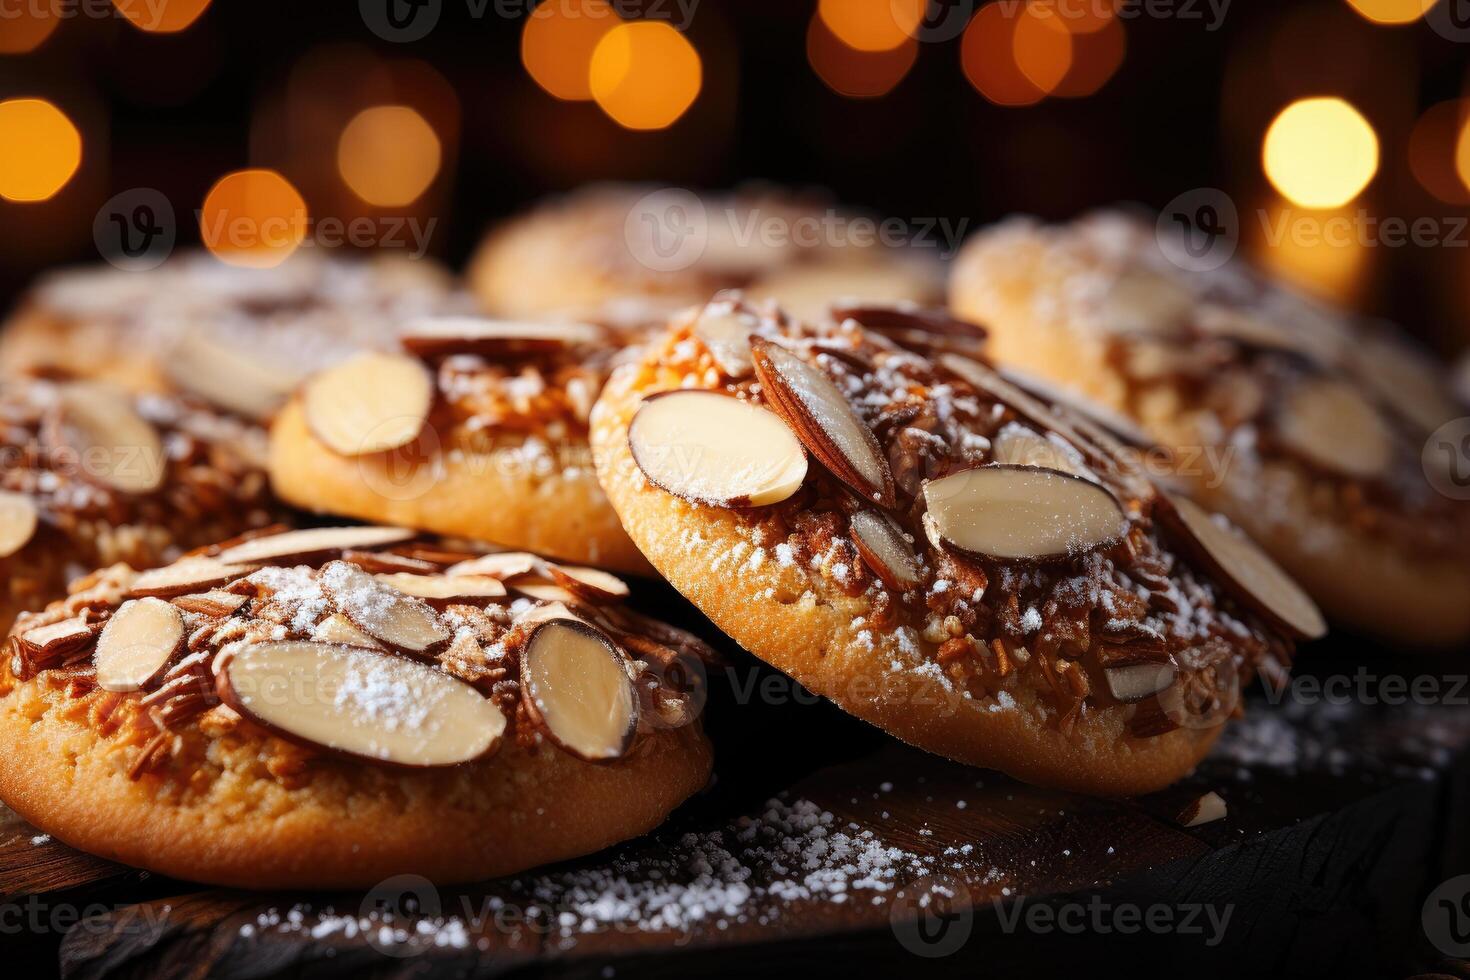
(645, 74)
(40, 149)
(872, 25)
(1320, 152)
(1392, 11)
(253, 218)
(558, 41)
(1041, 47)
(1320, 252)
(388, 155)
(161, 16)
(1462, 153)
(856, 74)
(25, 26)
(987, 55)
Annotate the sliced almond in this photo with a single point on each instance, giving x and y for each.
(369, 404)
(504, 565)
(576, 687)
(710, 448)
(1244, 568)
(544, 591)
(1330, 424)
(313, 542)
(1204, 809)
(592, 584)
(228, 377)
(992, 384)
(441, 590)
(18, 518)
(360, 703)
(213, 603)
(1143, 302)
(1076, 402)
(909, 316)
(803, 395)
(1135, 682)
(1405, 380)
(187, 575)
(1016, 445)
(382, 612)
(1023, 513)
(58, 638)
(137, 643)
(1249, 329)
(726, 332)
(388, 563)
(445, 335)
(115, 445)
(883, 548)
(546, 611)
(338, 629)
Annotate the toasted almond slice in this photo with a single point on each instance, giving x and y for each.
(576, 687)
(114, 444)
(187, 575)
(360, 703)
(1244, 568)
(312, 542)
(1076, 402)
(227, 376)
(1017, 445)
(213, 603)
(1143, 302)
(544, 591)
(1405, 380)
(710, 448)
(1249, 329)
(1135, 682)
(1330, 424)
(544, 612)
(726, 332)
(382, 612)
(58, 638)
(441, 590)
(909, 317)
(137, 643)
(1205, 809)
(885, 550)
(338, 629)
(444, 335)
(1020, 512)
(803, 395)
(504, 565)
(18, 517)
(369, 404)
(592, 584)
(388, 563)
(991, 383)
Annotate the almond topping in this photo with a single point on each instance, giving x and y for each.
(1333, 426)
(1021, 512)
(1135, 682)
(1143, 302)
(1251, 576)
(369, 404)
(444, 335)
(1076, 402)
(811, 403)
(909, 317)
(187, 575)
(58, 638)
(1019, 446)
(291, 546)
(885, 550)
(137, 643)
(227, 377)
(360, 703)
(441, 590)
(114, 444)
(1405, 380)
(726, 332)
(713, 449)
(1249, 330)
(575, 685)
(213, 603)
(592, 584)
(338, 629)
(504, 565)
(544, 612)
(17, 522)
(544, 591)
(384, 613)
(1206, 809)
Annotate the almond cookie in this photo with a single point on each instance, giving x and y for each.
(635, 254)
(90, 476)
(238, 338)
(978, 572)
(1306, 427)
(329, 707)
(477, 428)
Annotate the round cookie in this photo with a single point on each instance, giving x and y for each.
(239, 338)
(90, 476)
(635, 254)
(361, 705)
(979, 573)
(478, 429)
(1304, 426)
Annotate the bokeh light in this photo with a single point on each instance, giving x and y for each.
(1096, 57)
(161, 16)
(645, 74)
(253, 218)
(1462, 150)
(1392, 11)
(388, 155)
(1041, 46)
(988, 58)
(857, 74)
(1434, 151)
(872, 25)
(25, 26)
(40, 149)
(558, 41)
(1321, 252)
(1079, 16)
(1320, 152)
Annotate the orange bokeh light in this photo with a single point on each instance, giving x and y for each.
(645, 74)
(857, 74)
(1079, 16)
(26, 26)
(988, 55)
(388, 155)
(161, 16)
(872, 25)
(558, 41)
(1096, 56)
(1392, 11)
(253, 218)
(1041, 46)
(1436, 148)
(40, 149)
